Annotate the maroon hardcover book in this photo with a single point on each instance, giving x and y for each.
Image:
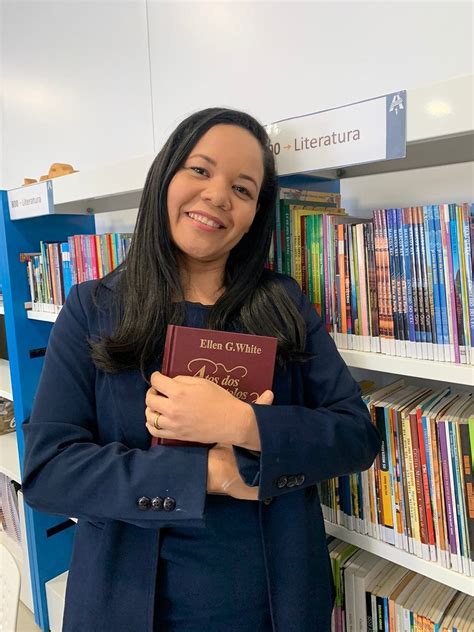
(243, 364)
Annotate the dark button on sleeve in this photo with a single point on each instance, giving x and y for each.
(267, 501)
(300, 479)
(169, 504)
(281, 482)
(291, 481)
(157, 504)
(144, 503)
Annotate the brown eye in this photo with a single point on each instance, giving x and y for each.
(199, 170)
(243, 191)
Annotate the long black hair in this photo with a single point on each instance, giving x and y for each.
(254, 301)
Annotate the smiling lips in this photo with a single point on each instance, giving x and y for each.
(206, 220)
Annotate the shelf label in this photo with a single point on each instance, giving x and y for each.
(367, 131)
(31, 201)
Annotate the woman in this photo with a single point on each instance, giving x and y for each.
(229, 538)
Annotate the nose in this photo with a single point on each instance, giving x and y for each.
(217, 194)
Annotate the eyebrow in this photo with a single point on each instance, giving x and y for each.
(214, 164)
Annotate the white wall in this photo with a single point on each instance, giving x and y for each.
(76, 85)
(80, 81)
(282, 59)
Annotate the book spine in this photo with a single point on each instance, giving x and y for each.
(393, 279)
(464, 282)
(378, 275)
(66, 264)
(340, 286)
(401, 291)
(449, 281)
(278, 235)
(373, 288)
(424, 461)
(347, 275)
(411, 348)
(296, 228)
(387, 286)
(468, 257)
(442, 283)
(417, 308)
(401, 497)
(304, 264)
(419, 486)
(52, 268)
(384, 477)
(92, 255)
(361, 245)
(427, 281)
(447, 494)
(72, 259)
(309, 259)
(100, 267)
(440, 514)
(456, 474)
(468, 487)
(433, 280)
(326, 275)
(110, 252)
(353, 289)
(420, 285)
(454, 238)
(414, 539)
(58, 269)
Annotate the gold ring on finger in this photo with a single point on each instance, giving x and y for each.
(155, 422)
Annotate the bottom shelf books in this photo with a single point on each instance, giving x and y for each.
(419, 494)
(375, 595)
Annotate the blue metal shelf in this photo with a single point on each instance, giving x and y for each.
(49, 538)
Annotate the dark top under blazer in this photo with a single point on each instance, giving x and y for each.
(87, 455)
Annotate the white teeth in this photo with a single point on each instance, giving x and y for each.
(204, 220)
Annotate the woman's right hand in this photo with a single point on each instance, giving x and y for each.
(223, 476)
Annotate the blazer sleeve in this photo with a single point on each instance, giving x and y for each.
(66, 469)
(330, 435)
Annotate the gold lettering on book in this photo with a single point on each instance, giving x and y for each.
(241, 347)
(229, 378)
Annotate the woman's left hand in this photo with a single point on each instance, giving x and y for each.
(195, 409)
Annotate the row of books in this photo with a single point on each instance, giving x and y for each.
(400, 283)
(419, 494)
(375, 595)
(59, 265)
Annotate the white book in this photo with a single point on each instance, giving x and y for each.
(369, 567)
(349, 601)
(403, 612)
(446, 597)
(372, 587)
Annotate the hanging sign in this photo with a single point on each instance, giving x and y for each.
(362, 132)
(31, 201)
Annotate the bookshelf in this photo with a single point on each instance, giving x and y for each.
(431, 141)
(426, 369)
(402, 558)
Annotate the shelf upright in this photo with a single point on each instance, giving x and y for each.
(49, 538)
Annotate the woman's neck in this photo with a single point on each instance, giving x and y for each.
(202, 284)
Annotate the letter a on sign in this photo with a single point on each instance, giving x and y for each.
(397, 104)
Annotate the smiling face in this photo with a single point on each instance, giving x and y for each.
(212, 198)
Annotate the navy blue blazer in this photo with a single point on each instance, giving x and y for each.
(87, 455)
